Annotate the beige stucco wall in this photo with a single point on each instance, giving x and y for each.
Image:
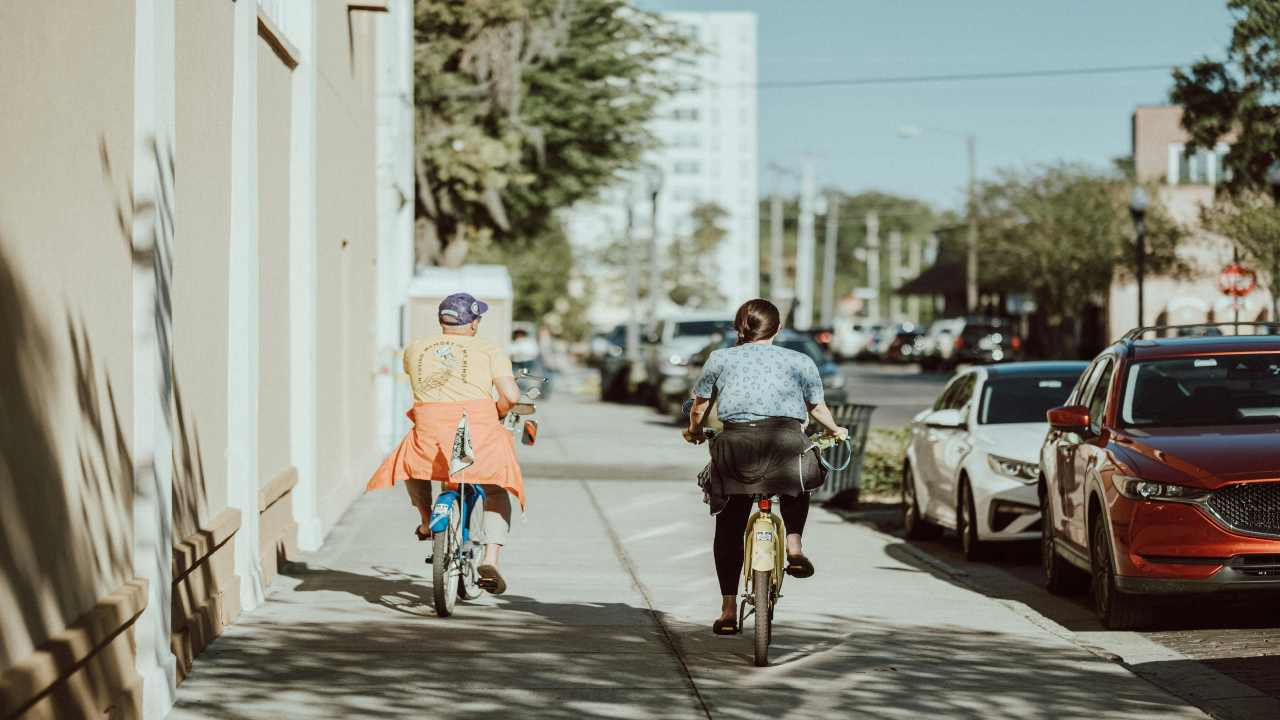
(274, 120)
(66, 386)
(201, 260)
(346, 242)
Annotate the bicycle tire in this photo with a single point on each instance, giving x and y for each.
(761, 584)
(444, 571)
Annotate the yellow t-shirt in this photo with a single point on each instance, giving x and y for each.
(454, 368)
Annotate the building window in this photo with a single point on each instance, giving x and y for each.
(686, 114)
(686, 167)
(1202, 167)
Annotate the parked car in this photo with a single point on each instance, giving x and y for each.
(972, 460)
(1161, 474)
(615, 370)
(823, 335)
(973, 340)
(850, 337)
(669, 344)
(902, 348)
(833, 380)
(938, 343)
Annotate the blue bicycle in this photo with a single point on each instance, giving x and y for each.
(457, 524)
(457, 519)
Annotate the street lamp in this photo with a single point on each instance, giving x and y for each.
(1138, 203)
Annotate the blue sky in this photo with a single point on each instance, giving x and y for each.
(852, 131)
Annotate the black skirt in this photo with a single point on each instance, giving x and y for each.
(764, 457)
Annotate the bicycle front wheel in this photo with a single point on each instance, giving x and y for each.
(761, 584)
(446, 562)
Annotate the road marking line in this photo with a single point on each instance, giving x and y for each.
(625, 560)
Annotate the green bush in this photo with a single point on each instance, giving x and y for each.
(882, 462)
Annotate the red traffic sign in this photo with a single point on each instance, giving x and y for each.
(1237, 280)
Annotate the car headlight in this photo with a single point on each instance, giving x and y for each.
(1016, 469)
(1139, 489)
(833, 382)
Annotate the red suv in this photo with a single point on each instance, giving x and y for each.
(1162, 473)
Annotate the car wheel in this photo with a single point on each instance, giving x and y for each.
(913, 522)
(1117, 610)
(1060, 576)
(967, 524)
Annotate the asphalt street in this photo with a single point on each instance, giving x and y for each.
(609, 611)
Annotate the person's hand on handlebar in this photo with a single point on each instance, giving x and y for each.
(840, 433)
(695, 436)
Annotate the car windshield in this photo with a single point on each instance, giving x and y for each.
(705, 328)
(1210, 390)
(1022, 399)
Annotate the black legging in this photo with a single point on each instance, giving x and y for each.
(731, 526)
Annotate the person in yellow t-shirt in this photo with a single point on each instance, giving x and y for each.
(454, 373)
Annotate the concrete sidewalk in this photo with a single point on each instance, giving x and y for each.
(612, 595)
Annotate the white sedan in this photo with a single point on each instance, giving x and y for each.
(973, 459)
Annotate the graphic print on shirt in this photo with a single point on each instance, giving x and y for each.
(450, 361)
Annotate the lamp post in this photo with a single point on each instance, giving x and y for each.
(654, 177)
(1138, 203)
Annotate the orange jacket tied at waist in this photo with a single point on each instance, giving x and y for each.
(425, 450)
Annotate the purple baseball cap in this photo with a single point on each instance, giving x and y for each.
(461, 309)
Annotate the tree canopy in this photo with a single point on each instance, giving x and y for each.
(525, 107)
(1238, 95)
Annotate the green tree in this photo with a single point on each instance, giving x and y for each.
(1252, 222)
(524, 107)
(1238, 95)
(1062, 234)
(690, 273)
(542, 279)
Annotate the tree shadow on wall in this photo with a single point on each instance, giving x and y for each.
(66, 538)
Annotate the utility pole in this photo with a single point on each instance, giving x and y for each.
(777, 276)
(829, 260)
(633, 285)
(895, 276)
(971, 260)
(655, 262)
(804, 251)
(873, 266)
(914, 262)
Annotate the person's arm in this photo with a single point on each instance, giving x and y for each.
(822, 414)
(815, 401)
(702, 392)
(504, 381)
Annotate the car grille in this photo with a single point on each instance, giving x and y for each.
(1250, 508)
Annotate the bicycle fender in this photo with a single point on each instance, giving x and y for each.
(440, 510)
(764, 543)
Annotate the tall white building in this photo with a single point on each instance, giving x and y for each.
(708, 155)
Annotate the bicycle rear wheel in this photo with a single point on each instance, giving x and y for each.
(446, 560)
(761, 584)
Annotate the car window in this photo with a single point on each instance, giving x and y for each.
(947, 392)
(1085, 382)
(964, 392)
(1022, 399)
(1205, 390)
(1098, 396)
(805, 346)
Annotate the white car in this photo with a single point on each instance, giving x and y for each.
(972, 462)
(850, 337)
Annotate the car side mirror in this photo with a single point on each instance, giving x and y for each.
(1069, 418)
(949, 418)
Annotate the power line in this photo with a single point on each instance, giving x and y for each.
(958, 77)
